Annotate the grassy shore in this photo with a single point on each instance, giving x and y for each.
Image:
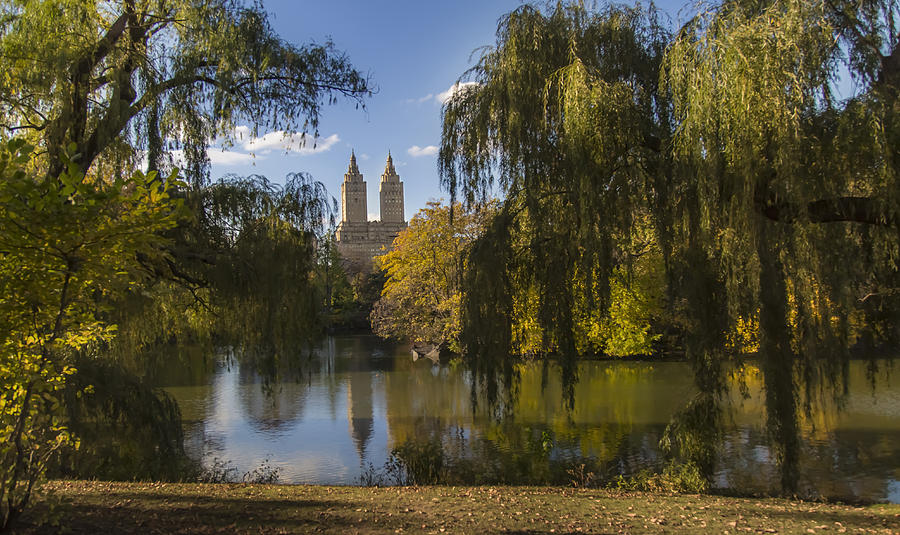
(108, 508)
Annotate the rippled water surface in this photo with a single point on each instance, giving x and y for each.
(339, 417)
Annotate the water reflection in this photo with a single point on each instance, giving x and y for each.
(359, 410)
(269, 410)
(360, 398)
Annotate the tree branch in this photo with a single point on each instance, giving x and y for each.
(104, 47)
(839, 209)
(890, 69)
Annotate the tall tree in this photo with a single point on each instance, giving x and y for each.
(107, 86)
(122, 79)
(800, 189)
(263, 295)
(98, 88)
(573, 186)
(773, 201)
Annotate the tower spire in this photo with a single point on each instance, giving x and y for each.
(352, 169)
(389, 171)
(353, 194)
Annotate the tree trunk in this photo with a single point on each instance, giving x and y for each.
(777, 357)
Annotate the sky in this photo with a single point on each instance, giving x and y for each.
(414, 52)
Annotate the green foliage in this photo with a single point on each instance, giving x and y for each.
(107, 85)
(695, 432)
(127, 429)
(627, 328)
(67, 245)
(331, 278)
(636, 313)
(263, 293)
(417, 463)
(248, 278)
(422, 295)
(777, 163)
(99, 88)
(770, 201)
(122, 77)
(560, 117)
(674, 478)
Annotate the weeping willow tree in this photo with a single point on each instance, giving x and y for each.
(113, 86)
(255, 298)
(100, 89)
(570, 198)
(773, 201)
(115, 82)
(265, 300)
(797, 191)
(252, 288)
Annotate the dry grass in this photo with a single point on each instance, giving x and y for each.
(107, 508)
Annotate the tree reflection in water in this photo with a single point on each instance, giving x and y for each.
(360, 398)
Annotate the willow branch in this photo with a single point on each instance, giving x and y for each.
(839, 209)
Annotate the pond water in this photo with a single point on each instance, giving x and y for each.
(337, 421)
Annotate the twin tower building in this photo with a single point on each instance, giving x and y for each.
(358, 239)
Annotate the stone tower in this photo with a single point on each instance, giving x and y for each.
(358, 239)
(391, 192)
(353, 195)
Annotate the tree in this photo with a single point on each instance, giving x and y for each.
(800, 189)
(772, 202)
(332, 280)
(120, 82)
(251, 275)
(422, 293)
(632, 324)
(97, 89)
(570, 197)
(66, 245)
(128, 78)
(263, 295)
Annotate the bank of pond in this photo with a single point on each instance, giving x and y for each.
(104, 507)
(361, 411)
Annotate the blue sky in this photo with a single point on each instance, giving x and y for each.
(414, 51)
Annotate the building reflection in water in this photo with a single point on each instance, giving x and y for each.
(619, 414)
(359, 411)
(359, 362)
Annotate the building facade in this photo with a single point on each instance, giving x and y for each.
(358, 239)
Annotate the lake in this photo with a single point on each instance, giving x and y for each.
(337, 420)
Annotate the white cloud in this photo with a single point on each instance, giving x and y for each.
(444, 96)
(372, 217)
(415, 151)
(228, 157)
(272, 140)
(298, 143)
(240, 147)
(420, 100)
(321, 145)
